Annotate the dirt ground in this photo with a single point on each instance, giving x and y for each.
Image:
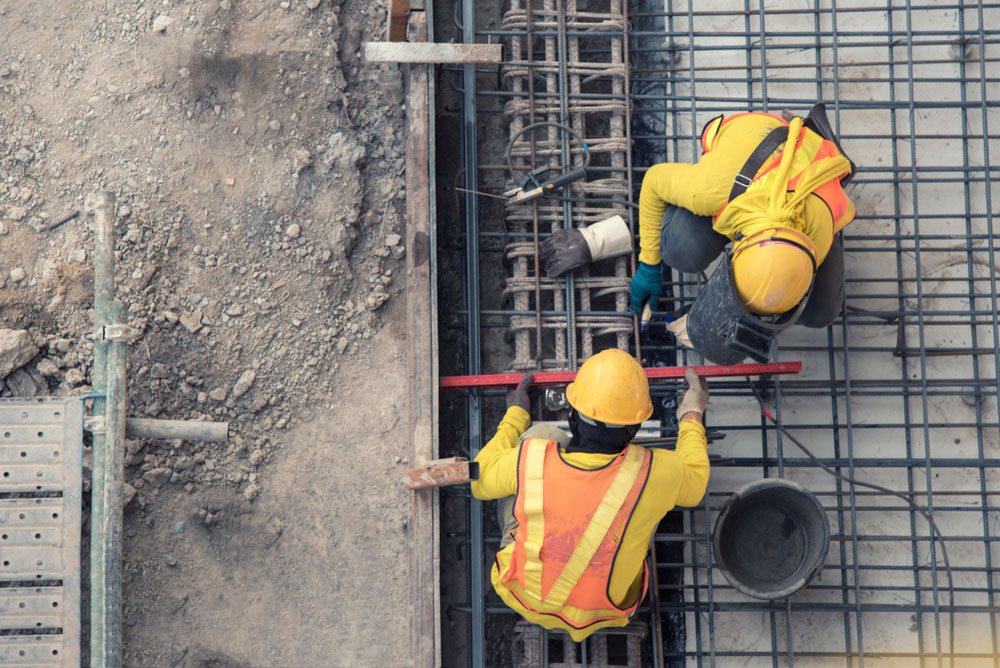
(259, 172)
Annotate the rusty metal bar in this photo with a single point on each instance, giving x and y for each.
(399, 13)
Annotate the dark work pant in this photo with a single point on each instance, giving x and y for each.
(823, 306)
(687, 241)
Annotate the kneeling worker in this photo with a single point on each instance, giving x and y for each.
(578, 511)
(773, 187)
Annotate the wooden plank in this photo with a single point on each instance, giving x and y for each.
(399, 13)
(422, 353)
(653, 373)
(442, 472)
(432, 54)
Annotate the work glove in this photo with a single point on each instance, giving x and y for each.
(695, 397)
(679, 328)
(646, 286)
(519, 395)
(568, 249)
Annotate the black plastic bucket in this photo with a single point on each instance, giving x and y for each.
(771, 538)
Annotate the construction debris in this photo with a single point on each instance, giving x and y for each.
(16, 349)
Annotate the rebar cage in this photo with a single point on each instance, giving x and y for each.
(901, 391)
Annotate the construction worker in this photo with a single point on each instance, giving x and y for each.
(578, 511)
(771, 185)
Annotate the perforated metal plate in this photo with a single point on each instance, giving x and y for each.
(41, 443)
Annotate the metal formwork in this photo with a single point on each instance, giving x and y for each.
(900, 392)
(41, 442)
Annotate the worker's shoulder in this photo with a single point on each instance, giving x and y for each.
(749, 123)
(665, 464)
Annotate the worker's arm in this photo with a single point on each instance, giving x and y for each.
(692, 453)
(689, 186)
(498, 459)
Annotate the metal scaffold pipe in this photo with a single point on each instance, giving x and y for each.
(188, 430)
(112, 489)
(105, 609)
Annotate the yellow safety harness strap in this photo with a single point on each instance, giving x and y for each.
(598, 528)
(534, 526)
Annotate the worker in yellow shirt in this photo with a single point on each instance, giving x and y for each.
(578, 511)
(774, 187)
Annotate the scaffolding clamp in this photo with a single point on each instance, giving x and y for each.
(119, 332)
(95, 424)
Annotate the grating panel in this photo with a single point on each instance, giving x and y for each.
(41, 445)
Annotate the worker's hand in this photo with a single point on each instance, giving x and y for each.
(568, 249)
(679, 328)
(696, 397)
(519, 395)
(563, 251)
(646, 287)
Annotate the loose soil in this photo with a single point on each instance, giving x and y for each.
(258, 167)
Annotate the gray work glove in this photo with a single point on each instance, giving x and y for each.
(568, 249)
(519, 395)
(696, 397)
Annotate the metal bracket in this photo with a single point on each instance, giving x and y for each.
(95, 424)
(119, 332)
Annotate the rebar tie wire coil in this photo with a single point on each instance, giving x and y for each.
(508, 152)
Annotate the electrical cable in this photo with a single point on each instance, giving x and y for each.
(906, 497)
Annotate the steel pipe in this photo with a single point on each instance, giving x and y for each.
(188, 430)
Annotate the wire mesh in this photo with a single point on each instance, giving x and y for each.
(901, 391)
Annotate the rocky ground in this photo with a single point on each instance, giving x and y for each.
(258, 168)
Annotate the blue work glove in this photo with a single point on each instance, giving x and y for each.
(646, 286)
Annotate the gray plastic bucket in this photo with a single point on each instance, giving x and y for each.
(771, 538)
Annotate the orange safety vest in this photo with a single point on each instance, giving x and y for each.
(810, 148)
(570, 524)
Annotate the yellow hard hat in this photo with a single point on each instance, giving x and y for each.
(611, 387)
(773, 269)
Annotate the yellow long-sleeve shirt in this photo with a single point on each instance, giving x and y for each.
(704, 188)
(677, 477)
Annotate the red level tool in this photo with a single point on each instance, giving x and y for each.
(654, 373)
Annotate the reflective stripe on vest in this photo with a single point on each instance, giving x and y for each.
(544, 551)
(810, 148)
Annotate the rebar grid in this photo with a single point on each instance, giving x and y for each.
(554, 65)
(902, 389)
